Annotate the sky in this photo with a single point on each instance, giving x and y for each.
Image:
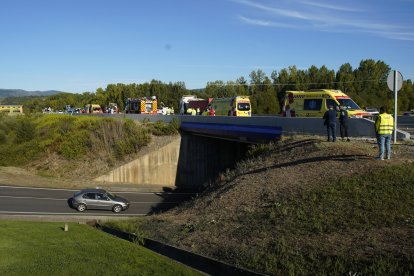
(81, 45)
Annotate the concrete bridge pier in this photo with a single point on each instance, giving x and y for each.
(187, 162)
(202, 159)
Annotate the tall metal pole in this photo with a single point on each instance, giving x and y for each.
(395, 105)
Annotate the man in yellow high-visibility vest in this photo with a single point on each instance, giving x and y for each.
(384, 125)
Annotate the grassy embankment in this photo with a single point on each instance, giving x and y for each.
(359, 219)
(101, 142)
(29, 248)
(44, 248)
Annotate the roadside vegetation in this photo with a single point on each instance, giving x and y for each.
(366, 84)
(44, 248)
(301, 206)
(31, 139)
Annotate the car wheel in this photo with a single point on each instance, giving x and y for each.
(117, 208)
(81, 207)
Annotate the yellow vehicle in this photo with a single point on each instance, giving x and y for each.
(314, 103)
(11, 109)
(141, 105)
(234, 106)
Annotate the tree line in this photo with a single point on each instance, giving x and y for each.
(366, 85)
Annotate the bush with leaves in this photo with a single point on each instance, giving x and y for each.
(25, 129)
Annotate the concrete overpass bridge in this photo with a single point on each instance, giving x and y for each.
(208, 146)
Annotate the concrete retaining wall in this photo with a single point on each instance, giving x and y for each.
(189, 162)
(155, 168)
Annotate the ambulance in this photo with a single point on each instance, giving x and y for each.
(234, 106)
(314, 103)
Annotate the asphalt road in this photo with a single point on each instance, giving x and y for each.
(406, 123)
(35, 202)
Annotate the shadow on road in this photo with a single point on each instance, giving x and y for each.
(172, 198)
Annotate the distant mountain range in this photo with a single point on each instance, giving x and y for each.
(5, 93)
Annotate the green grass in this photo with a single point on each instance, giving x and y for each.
(378, 199)
(353, 224)
(360, 208)
(24, 139)
(33, 248)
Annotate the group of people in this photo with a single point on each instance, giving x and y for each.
(330, 123)
(384, 126)
(196, 111)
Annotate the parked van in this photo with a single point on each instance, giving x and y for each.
(314, 103)
(233, 106)
(92, 108)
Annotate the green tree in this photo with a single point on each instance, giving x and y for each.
(345, 79)
(370, 83)
(405, 96)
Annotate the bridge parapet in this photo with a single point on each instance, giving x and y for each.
(358, 127)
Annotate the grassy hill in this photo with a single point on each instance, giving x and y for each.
(60, 145)
(43, 248)
(5, 93)
(302, 206)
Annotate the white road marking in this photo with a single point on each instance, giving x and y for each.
(167, 202)
(78, 214)
(65, 199)
(36, 188)
(31, 197)
(75, 190)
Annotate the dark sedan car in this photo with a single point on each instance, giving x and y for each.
(409, 113)
(98, 199)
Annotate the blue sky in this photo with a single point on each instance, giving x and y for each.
(81, 45)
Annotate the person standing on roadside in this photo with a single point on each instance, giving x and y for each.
(384, 125)
(343, 123)
(212, 111)
(330, 123)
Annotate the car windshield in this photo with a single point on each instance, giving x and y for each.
(348, 104)
(111, 196)
(243, 106)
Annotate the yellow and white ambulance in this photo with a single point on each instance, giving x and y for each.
(314, 103)
(234, 106)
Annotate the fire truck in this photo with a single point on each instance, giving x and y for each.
(142, 105)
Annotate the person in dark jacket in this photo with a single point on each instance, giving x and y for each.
(343, 123)
(330, 123)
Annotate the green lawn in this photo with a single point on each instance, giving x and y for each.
(44, 248)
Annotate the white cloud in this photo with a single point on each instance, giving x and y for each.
(266, 23)
(329, 6)
(312, 15)
(282, 12)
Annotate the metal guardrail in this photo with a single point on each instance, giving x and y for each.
(358, 127)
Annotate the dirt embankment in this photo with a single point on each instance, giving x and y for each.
(254, 216)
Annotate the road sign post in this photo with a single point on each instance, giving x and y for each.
(394, 82)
